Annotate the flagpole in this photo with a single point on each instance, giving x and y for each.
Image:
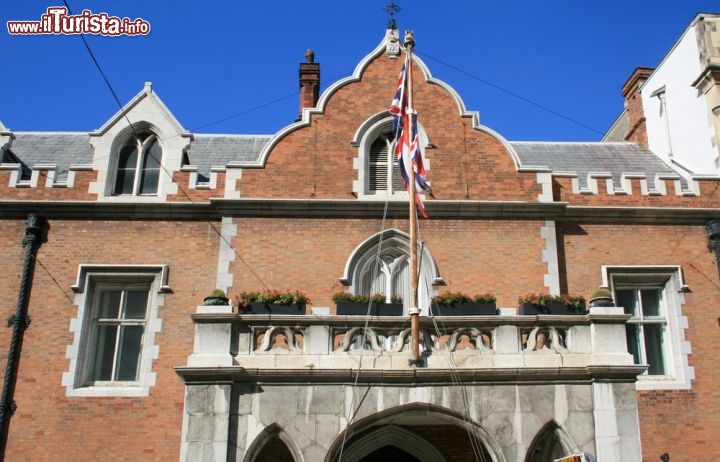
(414, 311)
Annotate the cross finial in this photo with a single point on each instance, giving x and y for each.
(392, 8)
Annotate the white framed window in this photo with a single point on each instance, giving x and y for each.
(113, 345)
(381, 265)
(116, 332)
(138, 166)
(653, 296)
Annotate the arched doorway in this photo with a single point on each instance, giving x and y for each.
(416, 432)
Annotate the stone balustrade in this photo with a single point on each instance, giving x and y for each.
(526, 347)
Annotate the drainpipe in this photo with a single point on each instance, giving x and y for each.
(35, 234)
(713, 233)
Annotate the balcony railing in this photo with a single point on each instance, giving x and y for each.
(240, 347)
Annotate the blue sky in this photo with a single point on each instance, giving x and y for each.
(238, 61)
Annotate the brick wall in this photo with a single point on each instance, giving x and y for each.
(502, 257)
(50, 426)
(682, 422)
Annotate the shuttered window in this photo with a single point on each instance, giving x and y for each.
(382, 167)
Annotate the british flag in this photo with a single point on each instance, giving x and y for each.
(405, 133)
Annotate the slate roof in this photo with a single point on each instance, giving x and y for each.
(61, 149)
(583, 158)
(207, 151)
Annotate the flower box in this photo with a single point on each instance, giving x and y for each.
(376, 309)
(274, 308)
(552, 308)
(463, 309)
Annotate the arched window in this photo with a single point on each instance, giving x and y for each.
(138, 166)
(381, 265)
(378, 176)
(384, 176)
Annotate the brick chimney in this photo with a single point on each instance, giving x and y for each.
(637, 132)
(309, 81)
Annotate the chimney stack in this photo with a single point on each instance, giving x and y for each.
(309, 81)
(637, 132)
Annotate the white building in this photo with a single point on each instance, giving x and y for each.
(679, 118)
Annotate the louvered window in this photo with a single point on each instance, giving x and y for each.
(382, 167)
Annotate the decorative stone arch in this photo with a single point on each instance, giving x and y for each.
(392, 417)
(550, 434)
(268, 433)
(391, 244)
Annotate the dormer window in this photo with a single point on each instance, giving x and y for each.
(384, 176)
(138, 167)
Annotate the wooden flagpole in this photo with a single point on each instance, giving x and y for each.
(414, 311)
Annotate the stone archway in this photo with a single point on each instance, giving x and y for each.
(416, 432)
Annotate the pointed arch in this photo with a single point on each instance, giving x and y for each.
(379, 265)
(379, 426)
(273, 433)
(551, 442)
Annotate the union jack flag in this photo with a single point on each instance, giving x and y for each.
(405, 133)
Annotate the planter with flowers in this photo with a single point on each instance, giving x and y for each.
(458, 304)
(361, 305)
(271, 301)
(544, 303)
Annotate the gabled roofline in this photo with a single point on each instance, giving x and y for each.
(146, 92)
(355, 77)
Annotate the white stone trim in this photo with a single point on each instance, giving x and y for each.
(156, 275)
(228, 231)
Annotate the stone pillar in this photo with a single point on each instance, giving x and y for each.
(206, 421)
(617, 426)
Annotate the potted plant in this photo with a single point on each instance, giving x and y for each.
(271, 301)
(216, 298)
(459, 304)
(361, 305)
(544, 303)
(601, 297)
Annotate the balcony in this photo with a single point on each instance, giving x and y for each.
(233, 347)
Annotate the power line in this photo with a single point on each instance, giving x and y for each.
(511, 93)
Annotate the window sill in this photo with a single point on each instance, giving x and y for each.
(132, 389)
(661, 382)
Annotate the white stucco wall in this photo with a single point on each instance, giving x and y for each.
(687, 110)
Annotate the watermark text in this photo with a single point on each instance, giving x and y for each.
(57, 22)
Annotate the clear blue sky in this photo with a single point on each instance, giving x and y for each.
(212, 60)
